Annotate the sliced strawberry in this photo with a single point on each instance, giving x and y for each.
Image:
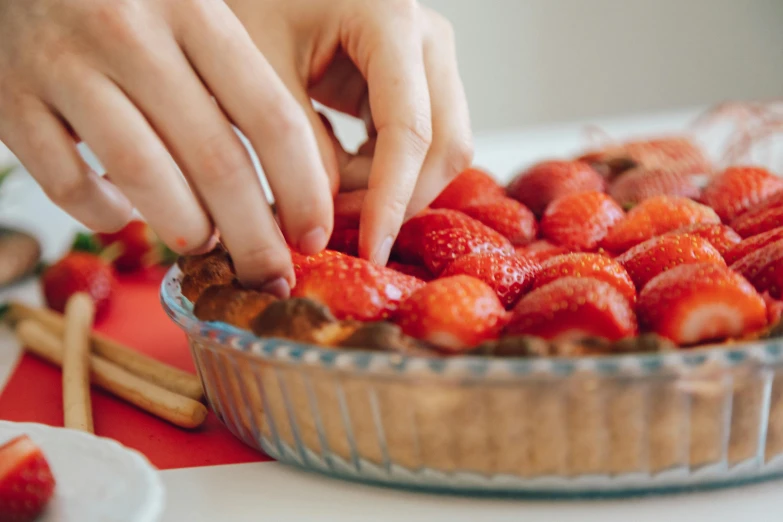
(654, 217)
(580, 221)
(700, 302)
(764, 268)
(355, 288)
(574, 307)
(345, 240)
(774, 308)
(595, 266)
(471, 187)
(737, 189)
(647, 260)
(541, 250)
(441, 247)
(509, 275)
(544, 182)
(638, 184)
(408, 247)
(419, 272)
(303, 263)
(26, 481)
(79, 272)
(753, 224)
(507, 216)
(722, 237)
(774, 201)
(751, 244)
(454, 313)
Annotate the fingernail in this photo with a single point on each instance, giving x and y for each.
(278, 287)
(313, 242)
(206, 247)
(382, 254)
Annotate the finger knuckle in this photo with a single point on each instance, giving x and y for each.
(270, 258)
(117, 20)
(417, 132)
(285, 119)
(67, 191)
(220, 160)
(405, 9)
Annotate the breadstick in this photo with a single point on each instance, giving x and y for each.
(176, 409)
(152, 370)
(77, 407)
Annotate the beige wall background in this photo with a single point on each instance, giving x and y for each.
(525, 62)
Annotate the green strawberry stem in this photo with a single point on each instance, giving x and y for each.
(86, 242)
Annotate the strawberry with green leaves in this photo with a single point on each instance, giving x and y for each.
(701, 302)
(591, 265)
(580, 221)
(471, 187)
(738, 188)
(26, 481)
(509, 276)
(137, 247)
(544, 182)
(453, 313)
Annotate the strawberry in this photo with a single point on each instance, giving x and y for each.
(753, 224)
(26, 481)
(303, 263)
(509, 275)
(540, 250)
(580, 221)
(355, 288)
(774, 308)
(647, 260)
(775, 200)
(654, 217)
(574, 307)
(472, 186)
(345, 240)
(137, 247)
(453, 313)
(722, 237)
(737, 189)
(751, 244)
(580, 265)
(419, 272)
(79, 272)
(764, 268)
(700, 302)
(544, 182)
(638, 184)
(441, 247)
(408, 247)
(507, 216)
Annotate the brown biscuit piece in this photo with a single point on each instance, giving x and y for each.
(213, 270)
(298, 319)
(515, 346)
(645, 343)
(191, 264)
(232, 305)
(383, 336)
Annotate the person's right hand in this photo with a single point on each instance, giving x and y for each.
(134, 79)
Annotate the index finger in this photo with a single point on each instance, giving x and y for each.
(400, 106)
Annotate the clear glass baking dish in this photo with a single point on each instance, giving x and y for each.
(590, 426)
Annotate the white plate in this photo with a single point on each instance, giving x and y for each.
(98, 480)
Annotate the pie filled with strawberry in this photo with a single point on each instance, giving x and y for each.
(624, 249)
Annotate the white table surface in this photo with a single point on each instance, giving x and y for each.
(274, 492)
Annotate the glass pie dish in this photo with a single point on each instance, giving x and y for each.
(603, 425)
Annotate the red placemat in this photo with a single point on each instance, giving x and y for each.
(34, 393)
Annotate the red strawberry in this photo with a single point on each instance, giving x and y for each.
(509, 275)
(470, 187)
(753, 224)
(408, 247)
(700, 302)
(580, 221)
(574, 307)
(722, 237)
(345, 240)
(544, 182)
(540, 250)
(647, 260)
(137, 247)
(507, 216)
(774, 308)
(737, 189)
(594, 266)
(753, 243)
(355, 288)
(26, 481)
(441, 247)
(454, 313)
(303, 263)
(79, 272)
(654, 217)
(764, 268)
(638, 184)
(419, 272)
(774, 201)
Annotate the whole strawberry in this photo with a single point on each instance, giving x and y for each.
(441, 247)
(79, 272)
(736, 189)
(471, 187)
(509, 275)
(580, 221)
(544, 182)
(764, 268)
(137, 247)
(541, 250)
(507, 216)
(591, 265)
(753, 224)
(638, 184)
(753, 243)
(453, 313)
(26, 481)
(722, 237)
